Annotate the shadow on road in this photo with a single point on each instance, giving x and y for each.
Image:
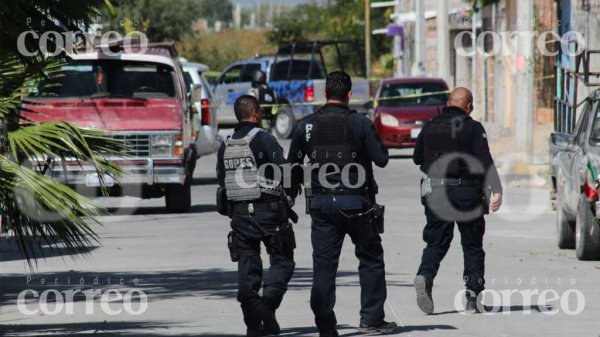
(445, 312)
(401, 156)
(204, 181)
(9, 251)
(515, 308)
(93, 328)
(411, 328)
(207, 208)
(212, 283)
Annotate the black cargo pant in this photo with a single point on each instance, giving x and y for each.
(444, 207)
(329, 228)
(250, 231)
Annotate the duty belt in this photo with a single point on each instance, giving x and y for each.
(338, 191)
(253, 207)
(435, 182)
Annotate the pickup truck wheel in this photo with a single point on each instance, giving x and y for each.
(285, 122)
(178, 198)
(587, 232)
(565, 228)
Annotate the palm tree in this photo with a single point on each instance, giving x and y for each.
(34, 208)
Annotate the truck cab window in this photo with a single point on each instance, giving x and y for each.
(248, 71)
(113, 78)
(232, 75)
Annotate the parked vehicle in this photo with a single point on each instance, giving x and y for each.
(575, 163)
(297, 76)
(403, 105)
(205, 125)
(141, 99)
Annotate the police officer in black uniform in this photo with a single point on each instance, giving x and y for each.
(342, 143)
(259, 213)
(460, 186)
(265, 96)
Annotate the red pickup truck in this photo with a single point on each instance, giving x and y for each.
(140, 98)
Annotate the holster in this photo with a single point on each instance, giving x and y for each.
(232, 244)
(376, 218)
(486, 196)
(283, 241)
(308, 198)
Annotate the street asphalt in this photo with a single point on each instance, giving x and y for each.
(181, 263)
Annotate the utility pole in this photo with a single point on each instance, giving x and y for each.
(443, 43)
(368, 39)
(419, 64)
(397, 50)
(474, 22)
(524, 99)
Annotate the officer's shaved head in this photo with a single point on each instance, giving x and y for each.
(461, 97)
(245, 107)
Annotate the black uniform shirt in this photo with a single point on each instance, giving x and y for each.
(366, 142)
(264, 147)
(474, 142)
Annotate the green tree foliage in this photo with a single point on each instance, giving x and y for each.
(217, 50)
(167, 20)
(35, 209)
(160, 20)
(343, 19)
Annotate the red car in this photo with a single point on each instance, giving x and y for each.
(403, 105)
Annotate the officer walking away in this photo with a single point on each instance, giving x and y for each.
(453, 152)
(265, 96)
(342, 143)
(259, 213)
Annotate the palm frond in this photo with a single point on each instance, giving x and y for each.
(39, 210)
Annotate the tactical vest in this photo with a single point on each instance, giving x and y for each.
(331, 140)
(442, 140)
(243, 181)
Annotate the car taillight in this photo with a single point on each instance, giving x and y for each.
(590, 185)
(205, 113)
(590, 192)
(309, 93)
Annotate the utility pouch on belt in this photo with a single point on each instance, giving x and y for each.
(232, 244)
(283, 242)
(222, 204)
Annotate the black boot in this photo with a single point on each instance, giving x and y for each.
(267, 315)
(381, 328)
(252, 319)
